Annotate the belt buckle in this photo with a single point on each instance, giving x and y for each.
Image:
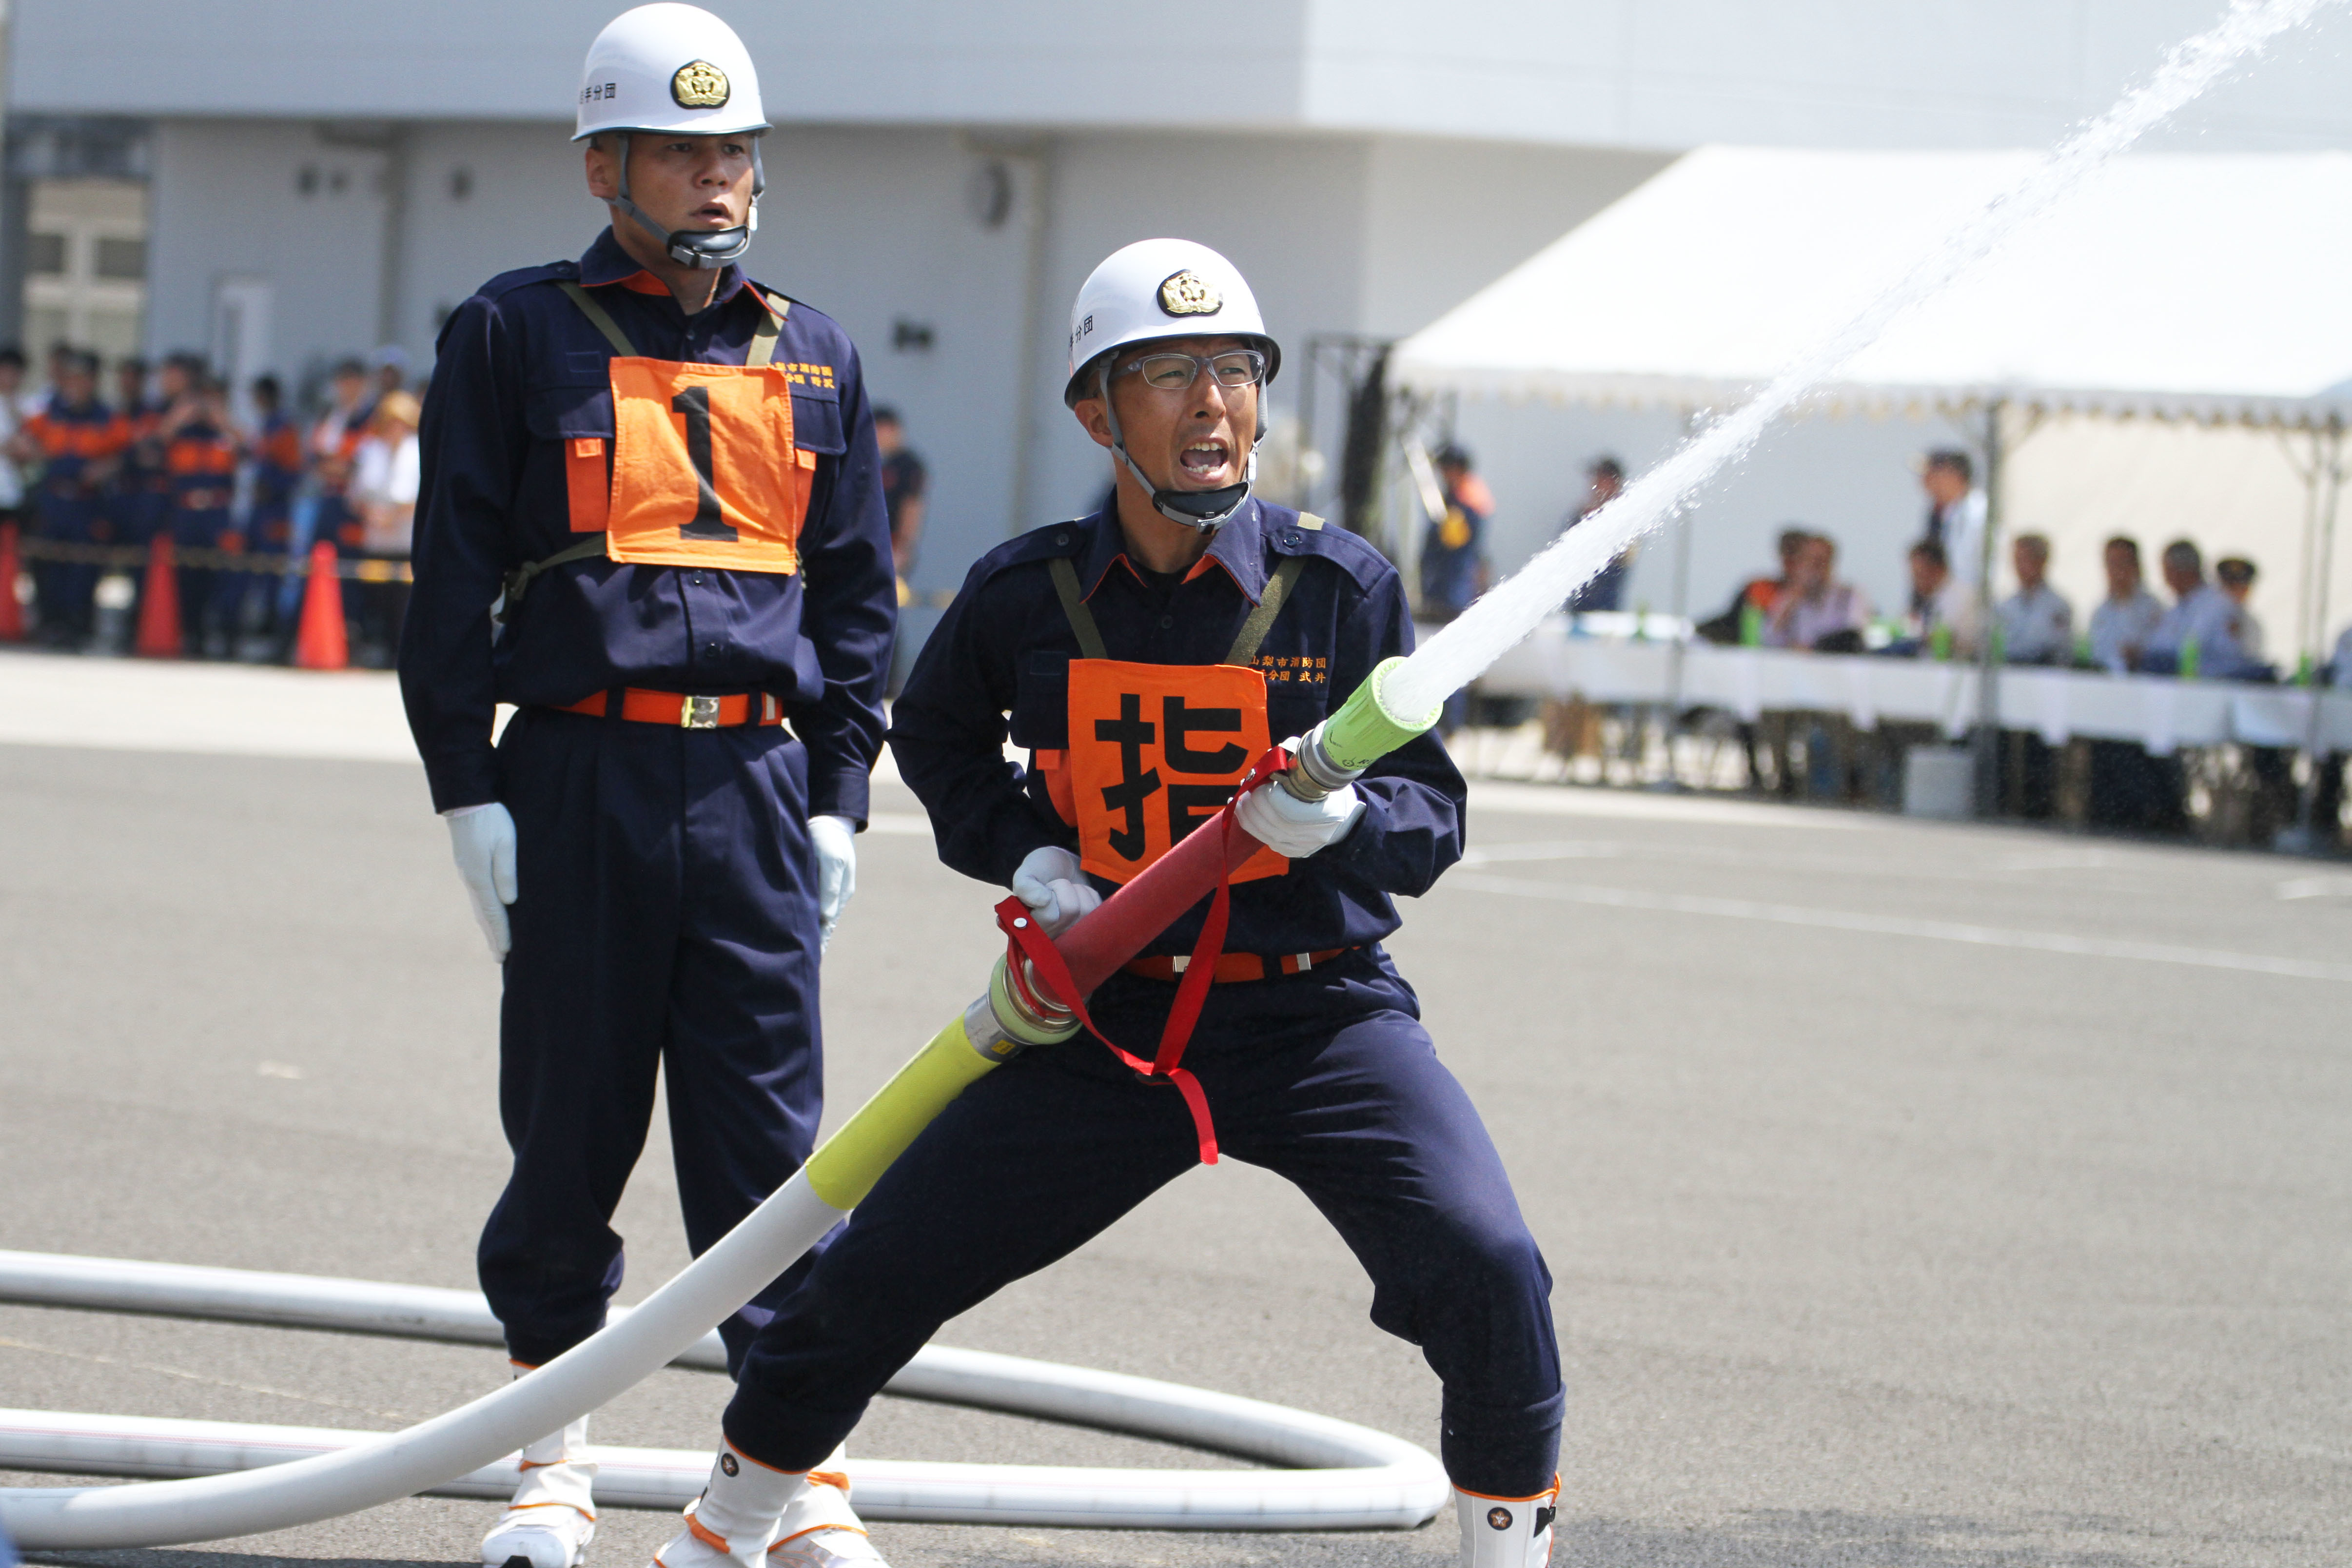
(698, 713)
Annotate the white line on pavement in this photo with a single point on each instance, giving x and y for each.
(1901, 925)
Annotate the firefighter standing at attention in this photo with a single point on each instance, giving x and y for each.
(651, 520)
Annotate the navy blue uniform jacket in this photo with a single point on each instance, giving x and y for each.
(998, 662)
(520, 370)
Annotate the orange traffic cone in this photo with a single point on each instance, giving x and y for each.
(159, 605)
(12, 614)
(321, 642)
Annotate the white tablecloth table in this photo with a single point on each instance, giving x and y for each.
(2162, 713)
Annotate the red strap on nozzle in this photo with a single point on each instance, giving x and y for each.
(1029, 940)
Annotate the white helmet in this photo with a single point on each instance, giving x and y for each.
(677, 69)
(1164, 288)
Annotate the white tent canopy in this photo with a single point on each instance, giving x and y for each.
(2203, 287)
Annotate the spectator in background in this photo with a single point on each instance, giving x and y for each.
(12, 415)
(2235, 575)
(2036, 623)
(334, 441)
(2034, 626)
(276, 475)
(1817, 611)
(1605, 480)
(1755, 599)
(2328, 789)
(905, 482)
(2273, 803)
(2128, 789)
(2128, 615)
(2201, 632)
(1453, 556)
(389, 364)
(385, 471)
(1945, 624)
(201, 452)
(142, 499)
(61, 359)
(78, 441)
(1454, 552)
(1956, 512)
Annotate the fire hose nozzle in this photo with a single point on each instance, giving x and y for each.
(1365, 729)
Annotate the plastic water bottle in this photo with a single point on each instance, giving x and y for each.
(1940, 644)
(2190, 653)
(1751, 626)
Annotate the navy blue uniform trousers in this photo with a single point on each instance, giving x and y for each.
(1326, 1078)
(665, 917)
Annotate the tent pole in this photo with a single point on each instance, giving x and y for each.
(1677, 651)
(2326, 471)
(1988, 731)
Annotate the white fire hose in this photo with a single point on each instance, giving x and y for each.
(1352, 1477)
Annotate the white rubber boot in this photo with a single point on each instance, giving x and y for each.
(819, 1529)
(553, 1515)
(1506, 1532)
(735, 1519)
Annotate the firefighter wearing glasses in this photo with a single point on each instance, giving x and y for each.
(1144, 657)
(665, 477)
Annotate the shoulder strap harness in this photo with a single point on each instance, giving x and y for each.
(1245, 642)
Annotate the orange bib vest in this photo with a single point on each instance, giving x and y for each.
(1156, 749)
(703, 472)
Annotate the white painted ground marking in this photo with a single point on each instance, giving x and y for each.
(1900, 925)
(1583, 800)
(2315, 887)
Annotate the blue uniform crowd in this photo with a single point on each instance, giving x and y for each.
(92, 482)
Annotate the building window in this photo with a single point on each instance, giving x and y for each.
(121, 259)
(85, 281)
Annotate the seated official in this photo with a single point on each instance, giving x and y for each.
(2129, 615)
(1946, 623)
(1817, 612)
(2036, 623)
(2203, 633)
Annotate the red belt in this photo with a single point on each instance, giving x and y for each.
(681, 711)
(1233, 966)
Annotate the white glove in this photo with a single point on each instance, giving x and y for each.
(482, 841)
(835, 839)
(1294, 827)
(1054, 885)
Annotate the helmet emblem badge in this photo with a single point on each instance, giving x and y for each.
(1186, 293)
(698, 84)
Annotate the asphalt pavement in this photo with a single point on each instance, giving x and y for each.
(1917, 1196)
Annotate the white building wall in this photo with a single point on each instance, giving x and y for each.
(1660, 74)
(227, 203)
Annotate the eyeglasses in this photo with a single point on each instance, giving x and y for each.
(1175, 371)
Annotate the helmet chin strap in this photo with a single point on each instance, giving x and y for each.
(703, 249)
(1206, 511)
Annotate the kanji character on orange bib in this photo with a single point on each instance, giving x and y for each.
(1155, 749)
